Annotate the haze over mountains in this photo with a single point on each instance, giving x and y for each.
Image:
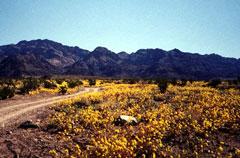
(45, 57)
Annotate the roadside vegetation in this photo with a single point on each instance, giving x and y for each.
(32, 86)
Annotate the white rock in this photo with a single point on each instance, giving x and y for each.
(128, 119)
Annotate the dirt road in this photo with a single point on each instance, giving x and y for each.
(11, 111)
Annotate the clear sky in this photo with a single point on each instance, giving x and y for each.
(203, 26)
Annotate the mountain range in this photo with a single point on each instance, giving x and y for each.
(46, 57)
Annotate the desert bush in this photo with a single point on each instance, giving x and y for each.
(29, 85)
(232, 82)
(131, 81)
(62, 89)
(59, 81)
(173, 81)
(150, 81)
(183, 83)
(214, 83)
(162, 85)
(7, 92)
(92, 82)
(74, 83)
(49, 84)
(238, 78)
(7, 82)
(46, 77)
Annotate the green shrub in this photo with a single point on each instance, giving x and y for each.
(162, 85)
(183, 83)
(214, 83)
(46, 77)
(232, 82)
(49, 84)
(92, 82)
(238, 79)
(131, 81)
(7, 92)
(173, 81)
(29, 84)
(59, 81)
(74, 83)
(63, 89)
(150, 81)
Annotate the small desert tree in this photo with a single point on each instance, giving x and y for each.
(162, 85)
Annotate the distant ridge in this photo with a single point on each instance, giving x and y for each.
(46, 57)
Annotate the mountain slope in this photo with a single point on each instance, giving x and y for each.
(100, 62)
(37, 57)
(19, 65)
(44, 57)
(153, 63)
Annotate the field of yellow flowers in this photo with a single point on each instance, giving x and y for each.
(186, 121)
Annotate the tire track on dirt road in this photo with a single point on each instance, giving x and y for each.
(12, 111)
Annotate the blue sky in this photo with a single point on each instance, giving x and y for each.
(126, 25)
